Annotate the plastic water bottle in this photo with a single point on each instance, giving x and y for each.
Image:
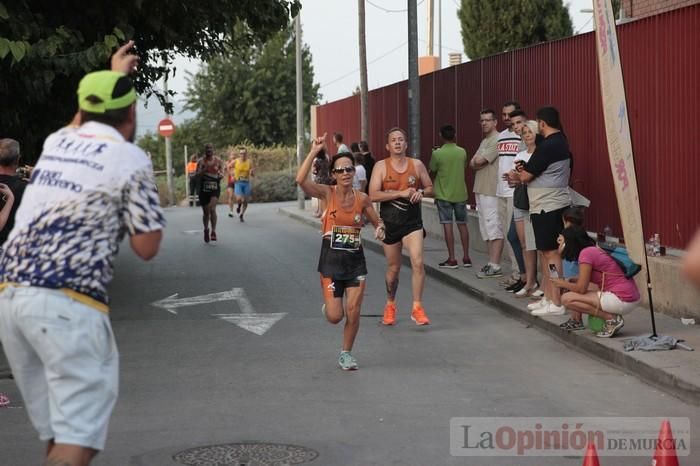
(656, 245)
(607, 232)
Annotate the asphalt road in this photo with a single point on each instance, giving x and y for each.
(192, 379)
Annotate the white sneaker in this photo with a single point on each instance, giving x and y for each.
(549, 310)
(524, 292)
(544, 302)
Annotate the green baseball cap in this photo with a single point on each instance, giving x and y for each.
(96, 92)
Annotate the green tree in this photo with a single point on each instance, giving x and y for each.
(46, 47)
(490, 27)
(251, 96)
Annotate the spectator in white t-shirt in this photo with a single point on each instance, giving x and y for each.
(509, 144)
(359, 181)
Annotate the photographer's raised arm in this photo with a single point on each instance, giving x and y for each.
(122, 61)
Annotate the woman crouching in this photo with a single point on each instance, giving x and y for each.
(616, 295)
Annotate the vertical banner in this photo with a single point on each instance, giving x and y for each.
(617, 130)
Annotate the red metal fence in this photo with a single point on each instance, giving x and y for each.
(662, 80)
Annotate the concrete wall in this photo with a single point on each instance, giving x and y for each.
(672, 294)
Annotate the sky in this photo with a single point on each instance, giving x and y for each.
(329, 28)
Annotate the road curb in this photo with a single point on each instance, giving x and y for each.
(618, 359)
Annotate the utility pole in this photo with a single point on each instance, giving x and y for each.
(431, 23)
(413, 83)
(440, 34)
(300, 105)
(168, 148)
(364, 95)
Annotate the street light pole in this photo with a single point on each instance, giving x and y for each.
(413, 82)
(168, 150)
(300, 105)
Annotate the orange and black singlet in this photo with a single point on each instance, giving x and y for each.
(342, 257)
(400, 211)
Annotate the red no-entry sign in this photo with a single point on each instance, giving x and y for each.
(166, 127)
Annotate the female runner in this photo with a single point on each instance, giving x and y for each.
(342, 261)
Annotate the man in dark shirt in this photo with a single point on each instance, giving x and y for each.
(547, 176)
(368, 163)
(9, 162)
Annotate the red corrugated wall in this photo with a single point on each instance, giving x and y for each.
(661, 71)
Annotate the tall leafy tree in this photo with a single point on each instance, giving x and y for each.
(490, 27)
(250, 95)
(46, 47)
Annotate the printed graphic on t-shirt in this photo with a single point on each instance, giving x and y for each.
(88, 190)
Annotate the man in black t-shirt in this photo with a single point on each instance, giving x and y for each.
(368, 163)
(9, 162)
(547, 176)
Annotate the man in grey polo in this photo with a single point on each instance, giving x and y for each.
(447, 166)
(485, 163)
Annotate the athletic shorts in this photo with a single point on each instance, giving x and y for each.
(446, 209)
(547, 226)
(43, 331)
(395, 233)
(336, 288)
(242, 188)
(609, 302)
(205, 198)
(489, 224)
(231, 183)
(208, 189)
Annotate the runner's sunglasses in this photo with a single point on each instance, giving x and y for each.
(348, 169)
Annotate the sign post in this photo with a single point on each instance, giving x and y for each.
(617, 130)
(166, 128)
(187, 178)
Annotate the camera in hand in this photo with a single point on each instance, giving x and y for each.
(24, 172)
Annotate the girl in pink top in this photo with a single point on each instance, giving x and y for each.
(614, 295)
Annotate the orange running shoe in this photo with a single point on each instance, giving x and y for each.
(418, 316)
(389, 314)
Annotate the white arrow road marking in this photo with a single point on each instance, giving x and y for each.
(236, 294)
(255, 323)
(247, 319)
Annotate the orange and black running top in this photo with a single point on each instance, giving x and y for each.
(400, 211)
(335, 215)
(342, 257)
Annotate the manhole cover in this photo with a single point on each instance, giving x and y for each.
(246, 454)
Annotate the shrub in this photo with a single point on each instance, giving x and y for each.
(178, 185)
(269, 159)
(274, 187)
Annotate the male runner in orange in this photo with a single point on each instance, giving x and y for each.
(399, 183)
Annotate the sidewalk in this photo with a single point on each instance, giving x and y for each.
(676, 372)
